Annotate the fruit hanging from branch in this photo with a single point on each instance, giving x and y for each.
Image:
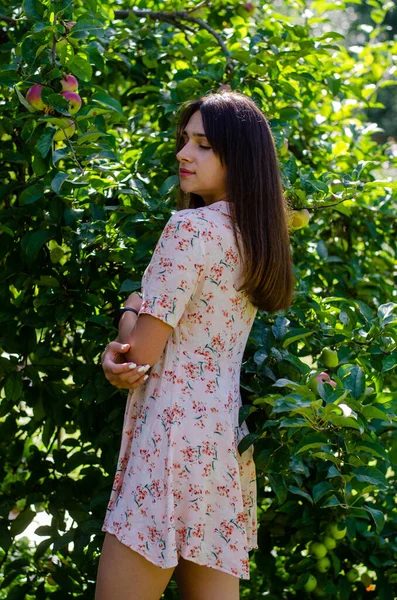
(69, 83)
(67, 129)
(299, 218)
(74, 101)
(33, 96)
(335, 531)
(323, 564)
(310, 584)
(329, 358)
(320, 378)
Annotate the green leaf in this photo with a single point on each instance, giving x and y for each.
(92, 112)
(168, 185)
(295, 334)
(293, 422)
(244, 412)
(299, 492)
(385, 310)
(246, 442)
(31, 194)
(22, 521)
(312, 440)
(326, 456)
(81, 68)
(332, 501)
(48, 280)
(5, 537)
(289, 114)
(92, 26)
(13, 387)
(370, 475)
(279, 487)
(354, 380)
(58, 181)
(106, 100)
(372, 412)
(34, 9)
(44, 143)
(58, 102)
(378, 517)
(389, 362)
(378, 15)
(320, 489)
(33, 242)
(23, 100)
(91, 136)
(286, 383)
(291, 403)
(372, 448)
(349, 422)
(130, 286)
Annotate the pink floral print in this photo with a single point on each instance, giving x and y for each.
(181, 485)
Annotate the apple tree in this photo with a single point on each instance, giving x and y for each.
(89, 95)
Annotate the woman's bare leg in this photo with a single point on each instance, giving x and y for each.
(196, 582)
(124, 574)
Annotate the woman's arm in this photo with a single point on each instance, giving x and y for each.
(128, 319)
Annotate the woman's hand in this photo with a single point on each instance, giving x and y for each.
(123, 375)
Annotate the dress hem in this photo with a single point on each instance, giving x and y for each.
(133, 547)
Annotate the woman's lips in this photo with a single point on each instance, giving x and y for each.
(185, 173)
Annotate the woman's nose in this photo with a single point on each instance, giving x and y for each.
(184, 153)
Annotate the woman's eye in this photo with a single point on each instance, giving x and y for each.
(184, 141)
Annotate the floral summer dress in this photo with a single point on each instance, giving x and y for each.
(181, 486)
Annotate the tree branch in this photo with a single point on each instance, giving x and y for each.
(174, 18)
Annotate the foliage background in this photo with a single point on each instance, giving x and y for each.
(79, 221)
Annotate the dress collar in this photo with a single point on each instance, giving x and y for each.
(221, 206)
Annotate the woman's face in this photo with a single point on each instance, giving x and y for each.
(209, 176)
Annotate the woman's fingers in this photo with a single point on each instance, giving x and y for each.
(129, 384)
(122, 376)
(118, 348)
(116, 368)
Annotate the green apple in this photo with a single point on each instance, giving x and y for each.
(352, 574)
(333, 529)
(299, 218)
(329, 542)
(317, 549)
(319, 592)
(310, 584)
(329, 357)
(67, 129)
(323, 565)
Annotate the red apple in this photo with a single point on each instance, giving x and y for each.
(74, 101)
(320, 378)
(69, 83)
(33, 96)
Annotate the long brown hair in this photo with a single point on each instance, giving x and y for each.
(240, 135)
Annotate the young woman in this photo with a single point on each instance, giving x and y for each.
(184, 499)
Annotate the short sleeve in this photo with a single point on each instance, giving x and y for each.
(175, 270)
